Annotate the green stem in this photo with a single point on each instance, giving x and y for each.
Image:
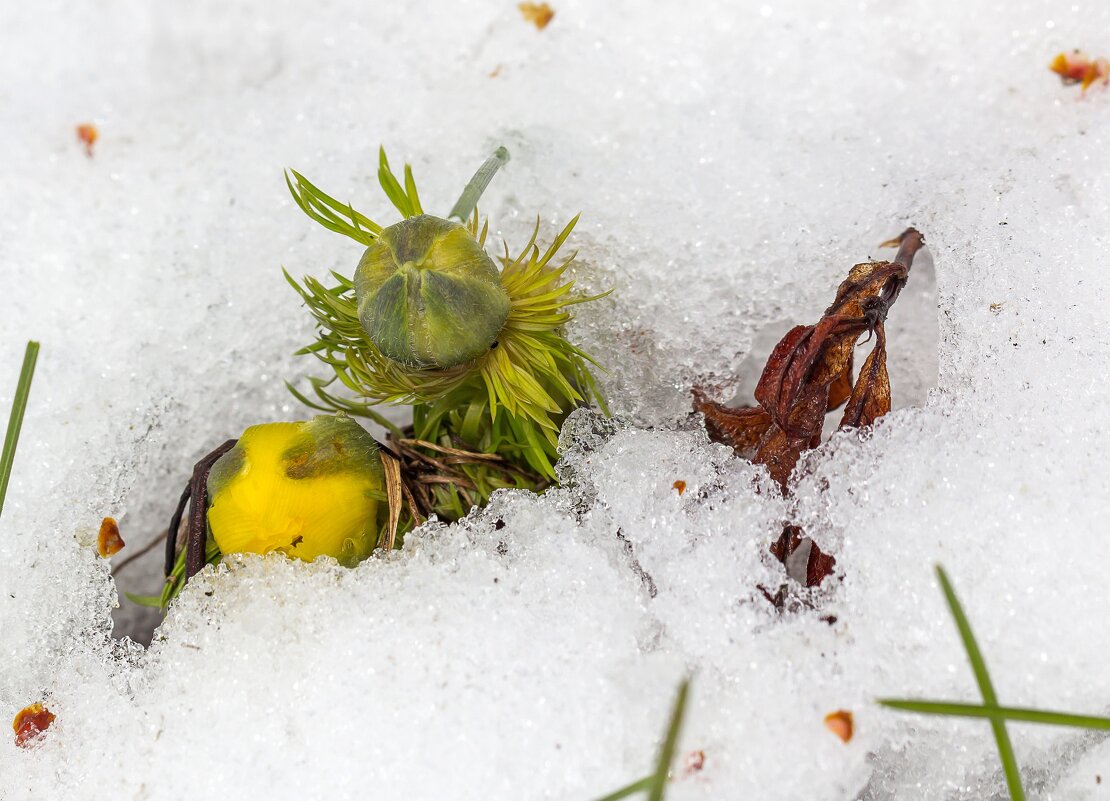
(15, 420)
(999, 713)
(464, 207)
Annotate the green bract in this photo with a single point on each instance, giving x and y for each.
(428, 295)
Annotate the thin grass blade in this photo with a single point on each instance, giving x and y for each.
(15, 419)
(1017, 714)
(631, 789)
(666, 753)
(986, 687)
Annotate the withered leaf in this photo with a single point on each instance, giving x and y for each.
(871, 395)
(809, 371)
(780, 448)
(819, 565)
(841, 388)
(808, 374)
(787, 542)
(740, 428)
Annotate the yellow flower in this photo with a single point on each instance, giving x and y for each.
(303, 489)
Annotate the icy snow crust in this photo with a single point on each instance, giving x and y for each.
(731, 162)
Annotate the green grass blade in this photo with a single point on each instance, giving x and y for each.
(15, 419)
(1018, 714)
(983, 679)
(666, 753)
(631, 789)
(469, 197)
(151, 601)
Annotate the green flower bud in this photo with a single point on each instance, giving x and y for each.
(428, 294)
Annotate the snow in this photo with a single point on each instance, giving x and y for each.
(730, 163)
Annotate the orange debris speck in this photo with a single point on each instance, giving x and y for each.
(88, 134)
(680, 486)
(840, 724)
(539, 14)
(30, 722)
(109, 541)
(1076, 67)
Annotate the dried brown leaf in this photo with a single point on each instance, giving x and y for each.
(780, 447)
(841, 388)
(819, 567)
(871, 395)
(740, 428)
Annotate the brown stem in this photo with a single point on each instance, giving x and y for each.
(144, 550)
(197, 538)
(175, 524)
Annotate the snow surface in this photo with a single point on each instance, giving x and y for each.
(730, 161)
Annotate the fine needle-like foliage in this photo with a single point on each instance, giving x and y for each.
(990, 708)
(507, 403)
(15, 419)
(655, 785)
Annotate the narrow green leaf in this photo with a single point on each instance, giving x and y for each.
(15, 419)
(410, 189)
(1019, 714)
(154, 601)
(983, 679)
(477, 185)
(631, 789)
(666, 753)
(329, 212)
(392, 187)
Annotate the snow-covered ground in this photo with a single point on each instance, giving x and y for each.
(730, 161)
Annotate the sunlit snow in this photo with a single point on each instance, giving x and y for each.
(731, 162)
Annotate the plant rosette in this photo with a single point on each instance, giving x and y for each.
(429, 320)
